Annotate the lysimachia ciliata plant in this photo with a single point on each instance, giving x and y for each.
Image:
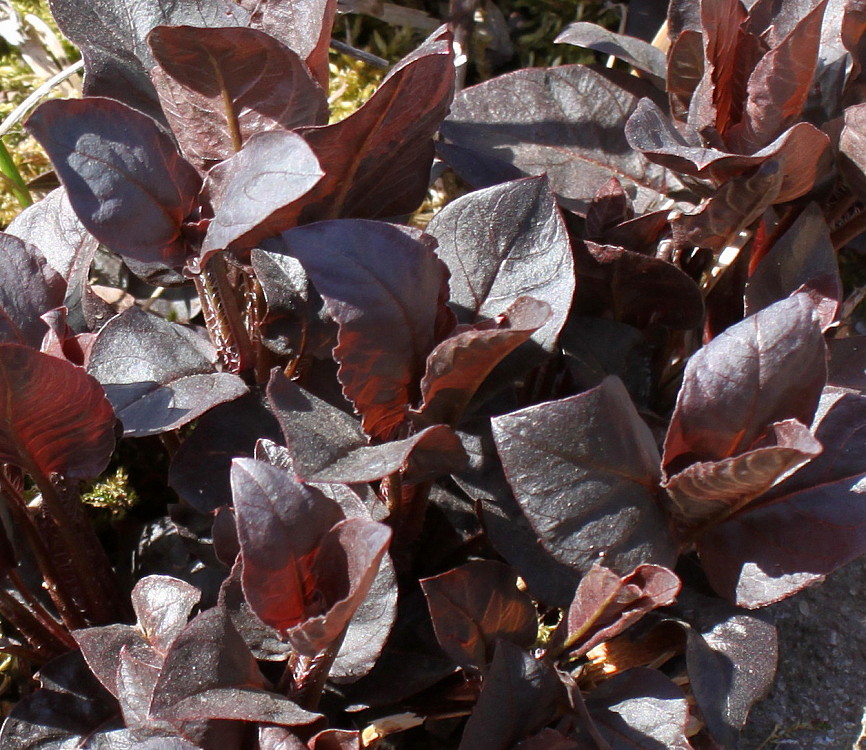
(512, 481)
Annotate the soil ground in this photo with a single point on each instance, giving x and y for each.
(819, 696)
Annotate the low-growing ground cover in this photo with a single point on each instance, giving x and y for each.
(522, 478)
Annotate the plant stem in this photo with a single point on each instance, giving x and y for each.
(305, 676)
(16, 182)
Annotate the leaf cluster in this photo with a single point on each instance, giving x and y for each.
(605, 396)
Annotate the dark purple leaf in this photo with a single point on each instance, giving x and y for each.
(101, 647)
(802, 256)
(56, 418)
(640, 710)
(712, 490)
(606, 604)
(127, 183)
(550, 739)
(637, 289)
(70, 706)
(768, 368)
(207, 654)
(847, 366)
(377, 160)
(135, 681)
(585, 470)
(374, 277)
(281, 525)
(505, 524)
(803, 529)
(459, 364)
(220, 86)
(29, 287)
(503, 243)
(636, 52)
(328, 445)
(369, 628)
(111, 36)
(519, 695)
(567, 122)
(852, 147)
(199, 471)
(336, 739)
(685, 70)
(241, 704)
(158, 375)
(296, 321)
(255, 190)
(357, 545)
(731, 660)
(475, 605)
(302, 25)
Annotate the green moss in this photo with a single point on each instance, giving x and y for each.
(112, 494)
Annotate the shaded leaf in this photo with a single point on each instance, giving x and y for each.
(585, 470)
(111, 36)
(802, 256)
(528, 687)
(731, 660)
(636, 52)
(768, 368)
(504, 243)
(467, 624)
(101, 647)
(640, 710)
(610, 207)
(256, 189)
(374, 277)
(56, 417)
(377, 160)
(565, 121)
(29, 287)
(803, 529)
(241, 704)
(158, 375)
(328, 445)
(637, 289)
(459, 364)
(220, 86)
(127, 183)
(199, 471)
(606, 604)
(505, 524)
(70, 706)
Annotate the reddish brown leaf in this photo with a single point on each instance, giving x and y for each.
(56, 418)
(468, 625)
(606, 604)
(457, 366)
(219, 86)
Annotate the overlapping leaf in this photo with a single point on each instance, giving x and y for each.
(56, 418)
(468, 626)
(567, 122)
(306, 570)
(328, 445)
(377, 160)
(766, 369)
(127, 183)
(158, 375)
(606, 604)
(220, 86)
(111, 36)
(254, 191)
(804, 528)
(585, 470)
(374, 277)
(503, 243)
